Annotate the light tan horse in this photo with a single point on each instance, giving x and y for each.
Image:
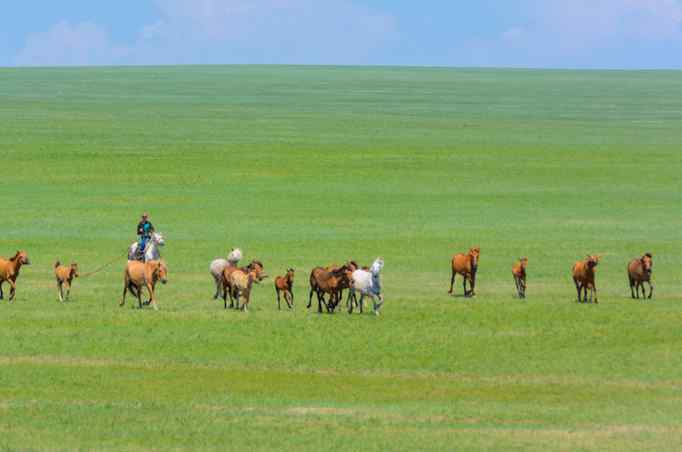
(65, 275)
(143, 274)
(9, 272)
(241, 281)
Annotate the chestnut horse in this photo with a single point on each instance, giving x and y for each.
(285, 285)
(583, 277)
(519, 273)
(639, 272)
(9, 271)
(467, 266)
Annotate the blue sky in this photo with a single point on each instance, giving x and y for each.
(630, 34)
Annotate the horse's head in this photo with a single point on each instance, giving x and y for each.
(161, 272)
(647, 262)
(290, 274)
(474, 254)
(377, 266)
(74, 270)
(257, 270)
(158, 238)
(524, 262)
(592, 261)
(353, 265)
(21, 258)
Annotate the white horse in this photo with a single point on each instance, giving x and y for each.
(151, 252)
(368, 283)
(218, 266)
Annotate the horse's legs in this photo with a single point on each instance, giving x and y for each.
(464, 284)
(523, 287)
(472, 283)
(218, 286)
(349, 302)
(139, 296)
(60, 291)
(68, 290)
(632, 286)
(577, 287)
(279, 308)
(291, 295)
(12, 290)
(594, 290)
(310, 297)
(651, 289)
(1, 294)
(123, 300)
(152, 300)
(289, 298)
(452, 280)
(518, 288)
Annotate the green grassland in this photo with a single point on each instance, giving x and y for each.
(305, 166)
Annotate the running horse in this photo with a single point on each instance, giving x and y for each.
(151, 252)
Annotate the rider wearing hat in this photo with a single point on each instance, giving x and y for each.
(144, 230)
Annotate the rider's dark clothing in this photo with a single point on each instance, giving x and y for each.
(144, 230)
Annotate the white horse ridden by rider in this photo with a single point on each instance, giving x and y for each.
(218, 266)
(368, 283)
(151, 252)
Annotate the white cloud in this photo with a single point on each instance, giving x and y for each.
(64, 44)
(585, 33)
(225, 31)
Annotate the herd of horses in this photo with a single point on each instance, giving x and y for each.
(327, 284)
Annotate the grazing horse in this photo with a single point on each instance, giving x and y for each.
(519, 273)
(65, 275)
(583, 277)
(9, 271)
(639, 272)
(285, 285)
(143, 274)
(151, 252)
(327, 281)
(368, 283)
(467, 266)
(218, 266)
(241, 281)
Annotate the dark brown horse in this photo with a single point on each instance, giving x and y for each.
(467, 266)
(330, 281)
(639, 272)
(9, 272)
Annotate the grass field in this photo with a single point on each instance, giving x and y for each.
(305, 166)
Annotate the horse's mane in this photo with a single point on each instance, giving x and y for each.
(15, 257)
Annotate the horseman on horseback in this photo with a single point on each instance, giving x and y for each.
(145, 228)
(148, 244)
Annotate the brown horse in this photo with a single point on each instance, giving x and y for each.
(519, 273)
(242, 280)
(330, 281)
(65, 275)
(467, 266)
(9, 271)
(583, 277)
(143, 274)
(285, 285)
(639, 272)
